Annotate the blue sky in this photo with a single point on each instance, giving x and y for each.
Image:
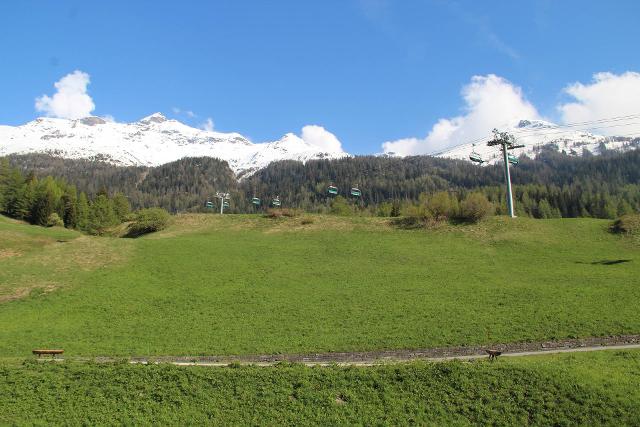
(368, 71)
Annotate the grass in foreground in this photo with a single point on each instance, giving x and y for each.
(245, 284)
(568, 389)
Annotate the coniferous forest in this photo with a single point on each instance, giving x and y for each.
(33, 187)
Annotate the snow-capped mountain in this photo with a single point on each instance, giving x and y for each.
(537, 134)
(152, 141)
(156, 140)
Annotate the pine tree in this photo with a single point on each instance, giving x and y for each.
(624, 208)
(70, 209)
(82, 212)
(395, 208)
(121, 206)
(15, 203)
(42, 207)
(101, 215)
(544, 209)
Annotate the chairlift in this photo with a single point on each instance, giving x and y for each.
(225, 204)
(209, 204)
(276, 201)
(355, 192)
(333, 190)
(475, 157)
(512, 159)
(255, 201)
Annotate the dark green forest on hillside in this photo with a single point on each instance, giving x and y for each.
(49, 201)
(553, 184)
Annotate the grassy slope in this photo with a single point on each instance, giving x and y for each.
(21, 256)
(238, 284)
(579, 389)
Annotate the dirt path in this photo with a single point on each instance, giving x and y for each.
(390, 356)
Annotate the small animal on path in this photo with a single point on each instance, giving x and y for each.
(493, 354)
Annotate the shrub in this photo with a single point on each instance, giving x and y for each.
(306, 221)
(340, 206)
(148, 221)
(410, 222)
(627, 224)
(54, 220)
(384, 209)
(430, 211)
(395, 209)
(441, 206)
(475, 207)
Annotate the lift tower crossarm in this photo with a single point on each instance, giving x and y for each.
(222, 196)
(507, 142)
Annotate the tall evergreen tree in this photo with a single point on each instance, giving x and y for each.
(101, 215)
(70, 208)
(121, 206)
(82, 211)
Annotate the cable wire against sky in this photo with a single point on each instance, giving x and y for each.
(557, 130)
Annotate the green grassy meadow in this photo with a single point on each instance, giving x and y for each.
(243, 284)
(601, 388)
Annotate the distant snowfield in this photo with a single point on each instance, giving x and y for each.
(156, 140)
(535, 134)
(152, 141)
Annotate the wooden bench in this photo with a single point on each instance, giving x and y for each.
(47, 352)
(493, 354)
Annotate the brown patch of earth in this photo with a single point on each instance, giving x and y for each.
(26, 291)
(8, 253)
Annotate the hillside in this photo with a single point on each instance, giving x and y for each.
(151, 141)
(540, 135)
(252, 285)
(600, 186)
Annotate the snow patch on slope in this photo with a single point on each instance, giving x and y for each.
(539, 134)
(151, 141)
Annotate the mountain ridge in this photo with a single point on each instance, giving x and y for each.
(538, 134)
(151, 141)
(155, 140)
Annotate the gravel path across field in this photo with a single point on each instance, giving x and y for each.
(391, 356)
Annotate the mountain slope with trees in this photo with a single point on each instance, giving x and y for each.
(552, 185)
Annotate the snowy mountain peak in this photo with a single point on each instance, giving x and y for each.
(151, 141)
(92, 121)
(537, 134)
(534, 124)
(291, 140)
(154, 118)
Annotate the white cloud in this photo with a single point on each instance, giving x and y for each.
(322, 138)
(188, 113)
(71, 100)
(608, 95)
(490, 102)
(207, 125)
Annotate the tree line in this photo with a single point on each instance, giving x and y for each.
(553, 184)
(179, 186)
(50, 201)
